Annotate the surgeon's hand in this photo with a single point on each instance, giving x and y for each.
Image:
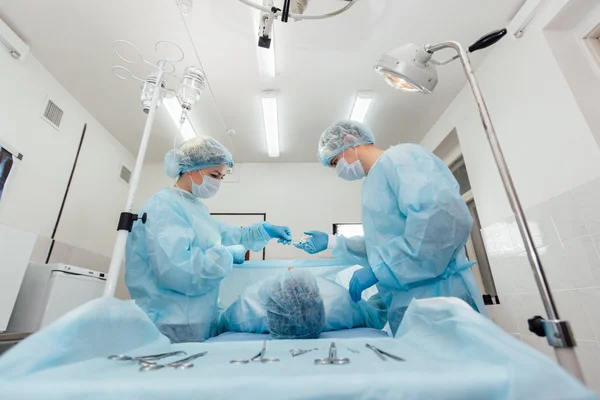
(282, 233)
(238, 252)
(316, 243)
(362, 279)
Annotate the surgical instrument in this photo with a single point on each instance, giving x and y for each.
(382, 354)
(333, 358)
(179, 364)
(352, 350)
(146, 359)
(299, 352)
(257, 358)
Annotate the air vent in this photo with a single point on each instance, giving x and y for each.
(125, 174)
(53, 114)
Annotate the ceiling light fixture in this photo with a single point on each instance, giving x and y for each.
(411, 68)
(271, 121)
(361, 106)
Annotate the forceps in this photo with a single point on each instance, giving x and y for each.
(299, 352)
(146, 359)
(332, 359)
(179, 364)
(257, 358)
(382, 354)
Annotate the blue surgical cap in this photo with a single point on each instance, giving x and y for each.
(341, 136)
(195, 154)
(294, 306)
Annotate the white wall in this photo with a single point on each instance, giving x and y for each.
(301, 196)
(555, 163)
(32, 200)
(546, 141)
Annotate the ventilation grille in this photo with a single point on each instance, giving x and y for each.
(53, 114)
(125, 174)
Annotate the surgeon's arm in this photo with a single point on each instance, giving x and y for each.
(253, 237)
(178, 263)
(438, 221)
(352, 249)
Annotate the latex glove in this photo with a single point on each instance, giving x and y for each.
(278, 232)
(362, 279)
(316, 243)
(238, 252)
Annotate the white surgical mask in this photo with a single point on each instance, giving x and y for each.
(350, 172)
(208, 188)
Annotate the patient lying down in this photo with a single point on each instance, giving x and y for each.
(298, 305)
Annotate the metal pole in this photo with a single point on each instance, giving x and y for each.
(121, 241)
(558, 332)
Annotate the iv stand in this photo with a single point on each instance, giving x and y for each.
(163, 67)
(558, 332)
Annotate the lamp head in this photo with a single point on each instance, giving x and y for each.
(408, 68)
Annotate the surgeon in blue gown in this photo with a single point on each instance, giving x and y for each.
(414, 219)
(177, 259)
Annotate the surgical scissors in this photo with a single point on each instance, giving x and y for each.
(179, 364)
(332, 359)
(382, 354)
(257, 358)
(299, 352)
(146, 359)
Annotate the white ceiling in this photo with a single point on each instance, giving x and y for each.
(321, 64)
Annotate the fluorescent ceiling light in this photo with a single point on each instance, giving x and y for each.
(269, 105)
(174, 108)
(361, 106)
(266, 57)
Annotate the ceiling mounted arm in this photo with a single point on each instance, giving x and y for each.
(298, 17)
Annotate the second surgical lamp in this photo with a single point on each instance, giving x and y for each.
(411, 68)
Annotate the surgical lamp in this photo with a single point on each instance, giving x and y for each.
(411, 68)
(191, 86)
(270, 13)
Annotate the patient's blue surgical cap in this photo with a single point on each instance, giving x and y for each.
(340, 136)
(195, 154)
(294, 306)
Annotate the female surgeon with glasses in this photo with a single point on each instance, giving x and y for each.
(177, 259)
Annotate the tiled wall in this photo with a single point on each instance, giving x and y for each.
(66, 254)
(566, 231)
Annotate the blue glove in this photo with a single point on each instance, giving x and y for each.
(317, 242)
(278, 232)
(238, 252)
(362, 279)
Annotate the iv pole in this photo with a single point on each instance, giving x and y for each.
(191, 84)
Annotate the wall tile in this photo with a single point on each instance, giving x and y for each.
(541, 225)
(537, 343)
(520, 269)
(515, 235)
(526, 306)
(503, 315)
(557, 269)
(570, 307)
(590, 298)
(498, 242)
(589, 354)
(584, 261)
(568, 218)
(587, 198)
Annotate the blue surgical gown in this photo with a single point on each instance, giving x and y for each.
(416, 225)
(248, 315)
(177, 259)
